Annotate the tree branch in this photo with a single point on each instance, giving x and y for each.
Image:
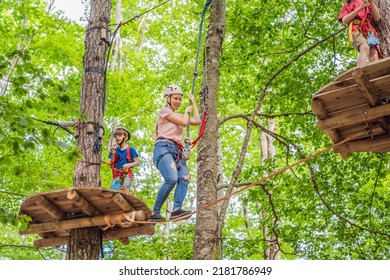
(238, 168)
(267, 116)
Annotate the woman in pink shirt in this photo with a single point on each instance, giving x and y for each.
(167, 153)
(360, 15)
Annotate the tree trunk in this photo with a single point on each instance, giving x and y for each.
(272, 250)
(384, 27)
(84, 244)
(206, 236)
(116, 56)
(143, 27)
(5, 80)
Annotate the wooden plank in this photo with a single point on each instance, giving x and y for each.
(99, 198)
(378, 68)
(376, 130)
(334, 135)
(51, 242)
(365, 87)
(346, 75)
(56, 197)
(337, 94)
(342, 150)
(337, 85)
(352, 95)
(37, 214)
(354, 117)
(369, 94)
(382, 86)
(373, 128)
(122, 202)
(59, 233)
(49, 208)
(97, 221)
(147, 229)
(102, 201)
(318, 109)
(384, 124)
(110, 235)
(379, 144)
(358, 99)
(78, 200)
(347, 98)
(373, 69)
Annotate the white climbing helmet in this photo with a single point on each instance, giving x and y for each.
(123, 131)
(171, 89)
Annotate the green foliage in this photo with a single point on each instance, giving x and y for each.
(331, 208)
(20, 222)
(176, 246)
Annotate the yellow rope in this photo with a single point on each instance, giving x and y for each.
(350, 34)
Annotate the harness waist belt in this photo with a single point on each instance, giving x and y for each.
(161, 139)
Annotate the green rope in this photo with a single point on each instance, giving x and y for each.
(199, 44)
(206, 6)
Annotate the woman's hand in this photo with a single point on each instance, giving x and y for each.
(190, 107)
(192, 99)
(188, 110)
(364, 4)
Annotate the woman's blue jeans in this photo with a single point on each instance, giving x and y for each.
(173, 171)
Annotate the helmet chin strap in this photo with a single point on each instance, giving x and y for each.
(123, 141)
(169, 102)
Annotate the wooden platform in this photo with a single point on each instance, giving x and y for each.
(358, 100)
(55, 213)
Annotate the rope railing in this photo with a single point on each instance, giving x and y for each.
(208, 205)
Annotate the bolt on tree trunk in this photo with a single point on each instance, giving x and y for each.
(84, 244)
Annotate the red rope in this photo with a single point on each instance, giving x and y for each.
(201, 129)
(116, 172)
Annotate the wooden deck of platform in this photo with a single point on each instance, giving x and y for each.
(55, 213)
(358, 100)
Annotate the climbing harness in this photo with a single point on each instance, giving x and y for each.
(172, 152)
(119, 175)
(350, 27)
(366, 28)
